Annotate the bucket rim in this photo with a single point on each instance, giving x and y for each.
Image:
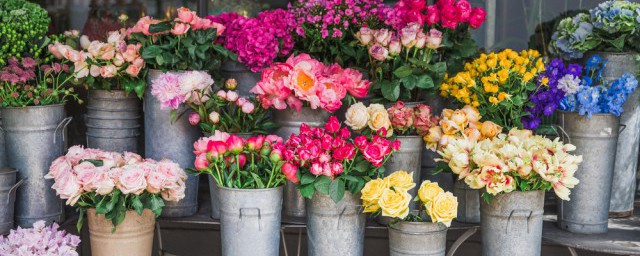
(610, 53)
(39, 106)
(442, 227)
(250, 189)
(7, 170)
(595, 114)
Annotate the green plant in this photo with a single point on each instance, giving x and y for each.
(22, 30)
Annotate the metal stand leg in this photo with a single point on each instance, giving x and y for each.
(284, 242)
(461, 240)
(572, 251)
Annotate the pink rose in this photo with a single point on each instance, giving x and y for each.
(155, 182)
(408, 35)
(365, 35)
(316, 169)
(110, 159)
(291, 172)
(132, 52)
(378, 52)
(94, 71)
(68, 187)
(53, 49)
(185, 15)
(434, 39)
(104, 184)
(464, 10)
(133, 70)
(477, 17)
(449, 17)
(194, 118)
(395, 47)
(336, 168)
(59, 166)
(174, 192)
(75, 154)
(432, 16)
(421, 40)
(132, 158)
(417, 5)
(413, 16)
(401, 117)
(180, 29)
(118, 60)
(106, 52)
(108, 71)
(86, 174)
(219, 27)
(132, 181)
(382, 36)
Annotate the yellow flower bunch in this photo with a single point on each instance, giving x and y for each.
(460, 123)
(390, 197)
(503, 79)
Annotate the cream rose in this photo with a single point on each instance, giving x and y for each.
(395, 203)
(428, 191)
(132, 181)
(459, 117)
(400, 180)
(432, 138)
(472, 113)
(443, 208)
(357, 116)
(379, 118)
(449, 127)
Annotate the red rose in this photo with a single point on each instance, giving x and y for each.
(477, 17)
(464, 10)
(333, 125)
(432, 16)
(417, 5)
(449, 17)
(374, 153)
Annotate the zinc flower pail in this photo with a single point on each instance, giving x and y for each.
(417, 238)
(289, 121)
(511, 224)
(214, 190)
(174, 141)
(468, 202)
(246, 78)
(34, 138)
(595, 139)
(250, 216)
(622, 194)
(3, 152)
(8, 188)
(113, 121)
(133, 237)
(335, 228)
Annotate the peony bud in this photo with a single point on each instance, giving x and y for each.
(291, 172)
(231, 84)
(194, 118)
(394, 47)
(275, 156)
(232, 96)
(222, 95)
(248, 108)
(214, 117)
(201, 162)
(235, 144)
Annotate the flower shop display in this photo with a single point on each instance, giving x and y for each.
(168, 131)
(24, 28)
(591, 111)
(119, 194)
(513, 170)
(411, 232)
(456, 124)
(330, 168)
(250, 180)
(39, 240)
(498, 84)
(8, 188)
(609, 27)
(424, 43)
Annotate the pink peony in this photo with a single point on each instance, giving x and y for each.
(235, 144)
(248, 108)
(272, 89)
(166, 89)
(401, 117)
(290, 171)
(200, 146)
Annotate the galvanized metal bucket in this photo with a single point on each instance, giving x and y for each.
(512, 224)
(596, 140)
(8, 188)
(113, 121)
(3, 153)
(174, 141)
(34, 138)
(622, 194)
(214, 191)
(408, 159)
(335, 228)
(417, 238)
(444, 179)
(250, 215)
(133, 237)
(289, 122)
(468, 202)
(245, 77)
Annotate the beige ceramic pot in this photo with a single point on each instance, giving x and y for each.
(133, 237)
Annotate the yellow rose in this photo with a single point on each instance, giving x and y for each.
(379, 118)
(449, 127)
(460, 118)
(372, 191)
(395, 203)
(357, 116)
(446, 113)
(443, 208)
(433, 137)
(472, 113)
(490, 129)
(400, 180)
(428, 191)
(370, 206)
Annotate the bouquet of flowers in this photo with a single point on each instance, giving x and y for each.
(517, 161)
(318, 159)
(611, 27)
(399, 118)
(425, 42)
(302, 78)
(24, 28)
(457, 124)
(258, 41)
(591, 95)
(39, 240)
(498, 84)
(111, 65)
(389, 197)
(185, 43)
(556, 81)
(226, 111)
(255, 163)
(326, 29)
(113, 183)
(189, 87)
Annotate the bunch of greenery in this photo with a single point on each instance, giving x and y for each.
(23, 29)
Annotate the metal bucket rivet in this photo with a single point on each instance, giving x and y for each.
(417, 238)
(113, 121)
(173, 141)
(35, 136)
(250, 215)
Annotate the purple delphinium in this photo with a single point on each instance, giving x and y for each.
(39, 240)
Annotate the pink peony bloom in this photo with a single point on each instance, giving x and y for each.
(272, 89)
(166, 89)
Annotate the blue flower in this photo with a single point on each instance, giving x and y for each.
(593, 61)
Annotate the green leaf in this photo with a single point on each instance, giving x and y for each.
(362, 166)
(160, 27)
(307, 179)
(391, 91)
(336, 190)
(487, 197)
(618, 43)
(137, 204)
(307, 190)
(322, 184)
(403, 71)
(96, 163)
(350, 178)
(409, 82)
(258, 180)
(151, 51)
(156, 205)
(425, 82)
(80, 220)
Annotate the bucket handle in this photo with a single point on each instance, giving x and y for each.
(563, 133)
(622, 128)
(523, 213)
(63, 124)
(14, 189)
(259, 217)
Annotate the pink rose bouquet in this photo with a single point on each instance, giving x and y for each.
(398, 119)
(39, 240)
(113, 183)
(233, 162)
(185, 43)
(304, 79)
(319, 158)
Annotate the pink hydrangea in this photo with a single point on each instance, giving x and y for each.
(39, 240)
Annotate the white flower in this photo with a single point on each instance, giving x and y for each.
(569, 84)
(357, 116)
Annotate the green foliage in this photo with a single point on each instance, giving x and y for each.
(115, 205)
(23, 30)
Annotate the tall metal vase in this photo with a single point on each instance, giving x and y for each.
(289, 122)
(335, 228)
(595, 139)
(113, 121)
(622, 194)
(3, 152)
(164, 139)
(246, 78)
(34, 138)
